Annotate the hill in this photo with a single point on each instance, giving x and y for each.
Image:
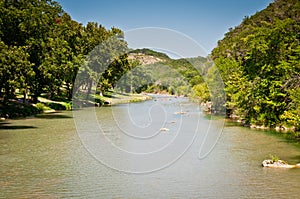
(147, 56)
(150, 52)
(156, 72)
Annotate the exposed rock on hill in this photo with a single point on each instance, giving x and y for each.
(144, 59)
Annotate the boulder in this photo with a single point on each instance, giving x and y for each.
(278, 164)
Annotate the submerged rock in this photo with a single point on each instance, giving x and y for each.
(180, 113)
(164, 129)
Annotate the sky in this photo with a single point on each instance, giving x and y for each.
(204, 21)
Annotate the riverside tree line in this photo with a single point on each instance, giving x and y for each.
(259, 62)
(42, 49)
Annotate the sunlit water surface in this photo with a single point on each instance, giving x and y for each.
(43, 157)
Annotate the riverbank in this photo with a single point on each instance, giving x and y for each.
(113, 98)
(16, 108)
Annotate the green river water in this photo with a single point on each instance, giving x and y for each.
(46, 157)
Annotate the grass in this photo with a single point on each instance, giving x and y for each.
(42, 107)
(46, 104)
(15, 108)
(135, 100)
(113, 98)
(274, 158)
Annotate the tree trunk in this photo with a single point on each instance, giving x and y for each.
(25, 96)
(35, 98)
(90, 84)
(69, 91)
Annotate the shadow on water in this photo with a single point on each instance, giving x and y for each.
(9, 126)
(230, 123)
(285, 136)
(296, 158)
(288, 137)
(213, 117)
(6, 126)
(52, 116)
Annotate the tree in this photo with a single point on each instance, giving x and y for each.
(15, 71)
(257, 61)
(31, 21)
(106, 62)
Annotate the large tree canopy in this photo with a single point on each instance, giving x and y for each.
(42, 49)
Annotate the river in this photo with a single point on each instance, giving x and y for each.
(49, 157)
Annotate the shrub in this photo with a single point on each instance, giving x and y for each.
(274, 158)
(42, 107)
(56, 106)
(68, 106)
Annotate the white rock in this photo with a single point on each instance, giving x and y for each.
(277, 164)
(164, 129)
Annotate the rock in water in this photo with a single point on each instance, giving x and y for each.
(277, 164)
(164, 129)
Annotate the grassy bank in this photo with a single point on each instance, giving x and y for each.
(113, 98)
(16, 108)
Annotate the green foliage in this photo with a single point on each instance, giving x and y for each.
(259, 63)
(153, 53)
(13, 109)
(15, 71)
(201, 92)
(291, 116)
(42, 49)
(42, 107)
(176, 77)
(68, 106)
(55, 106)
(274, 158)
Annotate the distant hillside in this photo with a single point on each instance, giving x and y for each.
(167, 75)
(146, 56)
(144, 59)
(153, 53)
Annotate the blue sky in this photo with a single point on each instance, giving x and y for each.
(205, 21)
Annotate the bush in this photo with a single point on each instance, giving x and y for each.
(56, 106)
(42, 107)
(68, 106)
(16, 110)
(274, 158)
